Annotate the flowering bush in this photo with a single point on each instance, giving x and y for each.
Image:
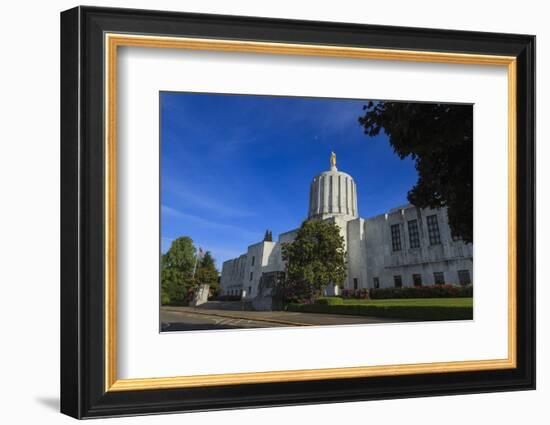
(432, 291)
(361, 294)
(298, 292)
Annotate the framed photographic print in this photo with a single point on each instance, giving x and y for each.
(261, 212)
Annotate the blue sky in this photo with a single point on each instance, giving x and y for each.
(234, 165)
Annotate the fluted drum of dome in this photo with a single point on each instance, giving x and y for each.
(333, 193)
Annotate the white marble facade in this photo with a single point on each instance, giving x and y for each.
(405, 247)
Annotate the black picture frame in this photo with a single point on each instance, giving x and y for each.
(83, 392)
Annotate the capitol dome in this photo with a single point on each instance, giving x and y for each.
(333, 193)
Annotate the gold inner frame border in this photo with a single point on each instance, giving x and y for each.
(113, 40)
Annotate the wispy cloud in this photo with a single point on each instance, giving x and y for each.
(201, 221)
(203, 201)
(233, 166)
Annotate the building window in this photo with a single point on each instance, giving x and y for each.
(249, 291)
(464, 277)
(251, 275)
(395, 237)
(414, 237)
(433, 230)
(355, 283)
(417, 279)
(253, 259)
(376, 282)
(397, 282)
(439, 278)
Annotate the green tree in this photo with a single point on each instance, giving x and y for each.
(208, 261)
(177, 267)
(181, 255)
(314, 259)
(174, 287)
(268, 236)
(206, 272)
(439, 138)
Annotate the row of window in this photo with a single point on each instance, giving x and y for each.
(414, 235)
(464, 279)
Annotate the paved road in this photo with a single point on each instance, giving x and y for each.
(229, 317)
(178, 319)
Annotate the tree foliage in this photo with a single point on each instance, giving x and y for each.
(182, 271)
(207, 273)
(174, 286)
(181, 256)
(439, 138)
(177, 271)
(315, 259)
(208, 261)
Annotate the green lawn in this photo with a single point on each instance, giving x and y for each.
(443, 302)
(419, 309)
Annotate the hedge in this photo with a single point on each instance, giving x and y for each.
(432, 291)
(395, 312)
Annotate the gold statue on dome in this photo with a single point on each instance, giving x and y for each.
(332, 159)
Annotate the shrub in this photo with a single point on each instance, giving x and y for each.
(396, 312)
(360, 294)
(297, 292)
(329, 301)
(433, 291)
